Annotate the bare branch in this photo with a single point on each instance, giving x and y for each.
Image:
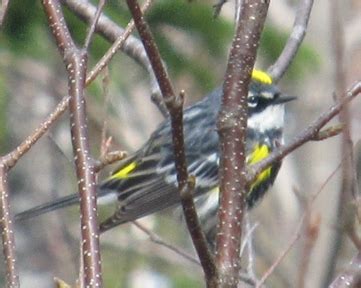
(232, 124)
(328, 133)
(8, 239)
(108, 159)
(6, 163)
(93, 24)
(75, 62)
(117, 45)
(175, 107)
(111, 31)
(293, 241)
(156, 239)
(299, 29)
(348, 181)
(193, 224)
(311, 232)
(297, 233)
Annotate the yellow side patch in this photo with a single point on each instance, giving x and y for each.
(123, 173)
(259, 153)
(261, 76)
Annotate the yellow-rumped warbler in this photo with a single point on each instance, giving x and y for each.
(145, 182)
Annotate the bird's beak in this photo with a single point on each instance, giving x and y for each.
(284, 98)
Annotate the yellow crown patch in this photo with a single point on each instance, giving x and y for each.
(261, 76)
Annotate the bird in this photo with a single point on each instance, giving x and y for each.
(145, 182)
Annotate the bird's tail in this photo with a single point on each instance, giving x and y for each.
(62, 202)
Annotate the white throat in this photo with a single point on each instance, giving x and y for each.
(270, 118)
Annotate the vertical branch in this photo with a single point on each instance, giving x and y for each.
(175, 106)
(232, 125)
(93, 24)
(84, 169)
(7, 232)
(75, 62)
(348, 183)
(6, 163)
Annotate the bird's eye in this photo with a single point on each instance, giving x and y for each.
(252, 101)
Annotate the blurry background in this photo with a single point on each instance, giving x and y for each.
(195, 48)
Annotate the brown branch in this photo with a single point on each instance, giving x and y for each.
(108, 159)
(348, 181)
(109, 30)
(13, 157)
(350, 278)
(105, 141)
(175, 107)
(156, 239)
(297, 233)
(195, 230)
(299, 29)
(75, 62)
(8, 239)
(328, 133)
(306, 135)
(232, 124)
(311, 233)
(93, 24)
(116, 46)
(3, 10)
(6, 163)
(282, 255)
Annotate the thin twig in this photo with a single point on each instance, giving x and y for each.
(6, 163)
(93, 24)
(108, 159)
(328, 132)
(311, 232)
(232, 124)
(297, 233)
(195, 229)
(306, 135)
(111, 31)
(156, 239)
(348, 183)
(105, 142)
(174, 104)
(116, 46)
(281, 256)
(299, 29)
(75, 62)
(7, 232)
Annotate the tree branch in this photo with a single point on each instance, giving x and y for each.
(75, 61)
(111, 31)
(156, 239)
(175, 107)
(232, 124)
(299, 29)
(8, 239)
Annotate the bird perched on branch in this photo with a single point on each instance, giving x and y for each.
(145, 182)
